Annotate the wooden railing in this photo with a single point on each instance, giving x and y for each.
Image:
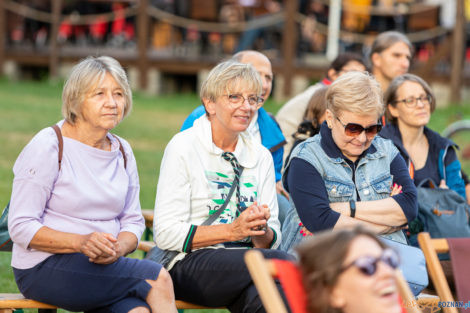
(143, 58)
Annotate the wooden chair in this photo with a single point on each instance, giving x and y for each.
(431, 247)
(264, 271)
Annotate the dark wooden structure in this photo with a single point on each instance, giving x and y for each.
(143, 58)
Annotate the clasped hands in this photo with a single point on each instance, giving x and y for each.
(251, 222)
(100, 248)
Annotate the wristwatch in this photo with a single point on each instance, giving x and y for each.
(352, 207)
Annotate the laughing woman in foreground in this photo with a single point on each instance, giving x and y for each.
(72, 222)
(198, 169)
(355, 273)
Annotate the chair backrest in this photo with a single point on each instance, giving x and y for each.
(431, 247)
(264, 271)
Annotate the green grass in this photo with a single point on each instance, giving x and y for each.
(27, 107)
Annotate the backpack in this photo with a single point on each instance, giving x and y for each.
(443, 213)
(5, 241)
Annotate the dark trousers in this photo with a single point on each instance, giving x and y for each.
(72, 282)
(220, 278)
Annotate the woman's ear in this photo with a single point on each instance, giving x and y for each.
(209, 105)
(329, 117)
(337, 299)
(332, 74)
(393, 111)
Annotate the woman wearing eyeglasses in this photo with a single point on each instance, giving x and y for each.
(346, 175)
(410, 102)
(199, 167)
(355, 273)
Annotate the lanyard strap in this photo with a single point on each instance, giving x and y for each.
(214, 216)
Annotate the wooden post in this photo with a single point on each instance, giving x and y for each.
(142, 42)
(53, 45)
(289, 45)
(3, 35)
(334, 26)
(457, 53)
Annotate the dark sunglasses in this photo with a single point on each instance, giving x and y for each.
(367, 265)
(354, 130)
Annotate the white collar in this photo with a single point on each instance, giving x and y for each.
(245, 151)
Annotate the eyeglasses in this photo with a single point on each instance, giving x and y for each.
(237, 100)
(367, 265)
(354, 130)
(411, 102)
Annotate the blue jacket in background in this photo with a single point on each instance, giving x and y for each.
(271, 135)
(451, 172)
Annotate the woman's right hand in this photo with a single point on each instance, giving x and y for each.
(248, 223)
(97, 244)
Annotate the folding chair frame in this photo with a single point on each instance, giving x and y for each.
(431, 247)
(263, 272)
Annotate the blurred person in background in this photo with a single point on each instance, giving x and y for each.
(390, 56)
(410, 103)
(313, 118)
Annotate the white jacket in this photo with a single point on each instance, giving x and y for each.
(195, 180)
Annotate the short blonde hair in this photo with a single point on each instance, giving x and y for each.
(356, 92)
(87, 74)
(225, 76)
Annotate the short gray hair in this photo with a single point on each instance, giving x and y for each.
(387, 39)
(85, 75)
(391, 93)
(356, 92)
(226, 75)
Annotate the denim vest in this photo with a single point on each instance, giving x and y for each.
(373, 180)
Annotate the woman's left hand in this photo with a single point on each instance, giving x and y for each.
(108, 259)
(261, 209)
(125, 243)
(443, 184)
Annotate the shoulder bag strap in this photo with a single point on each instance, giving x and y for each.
(214, 216)
(61, 142)
(122, 150)
(61, 145)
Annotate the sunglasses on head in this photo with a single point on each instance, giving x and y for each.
(367, 265)
(354, 130)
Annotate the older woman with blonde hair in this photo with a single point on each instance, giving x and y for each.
(346, 175)
(195, 213)
(355, 273)
(75, 210)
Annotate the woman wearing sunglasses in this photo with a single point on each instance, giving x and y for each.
(354, 274)
(345, 175)
(410, 102)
